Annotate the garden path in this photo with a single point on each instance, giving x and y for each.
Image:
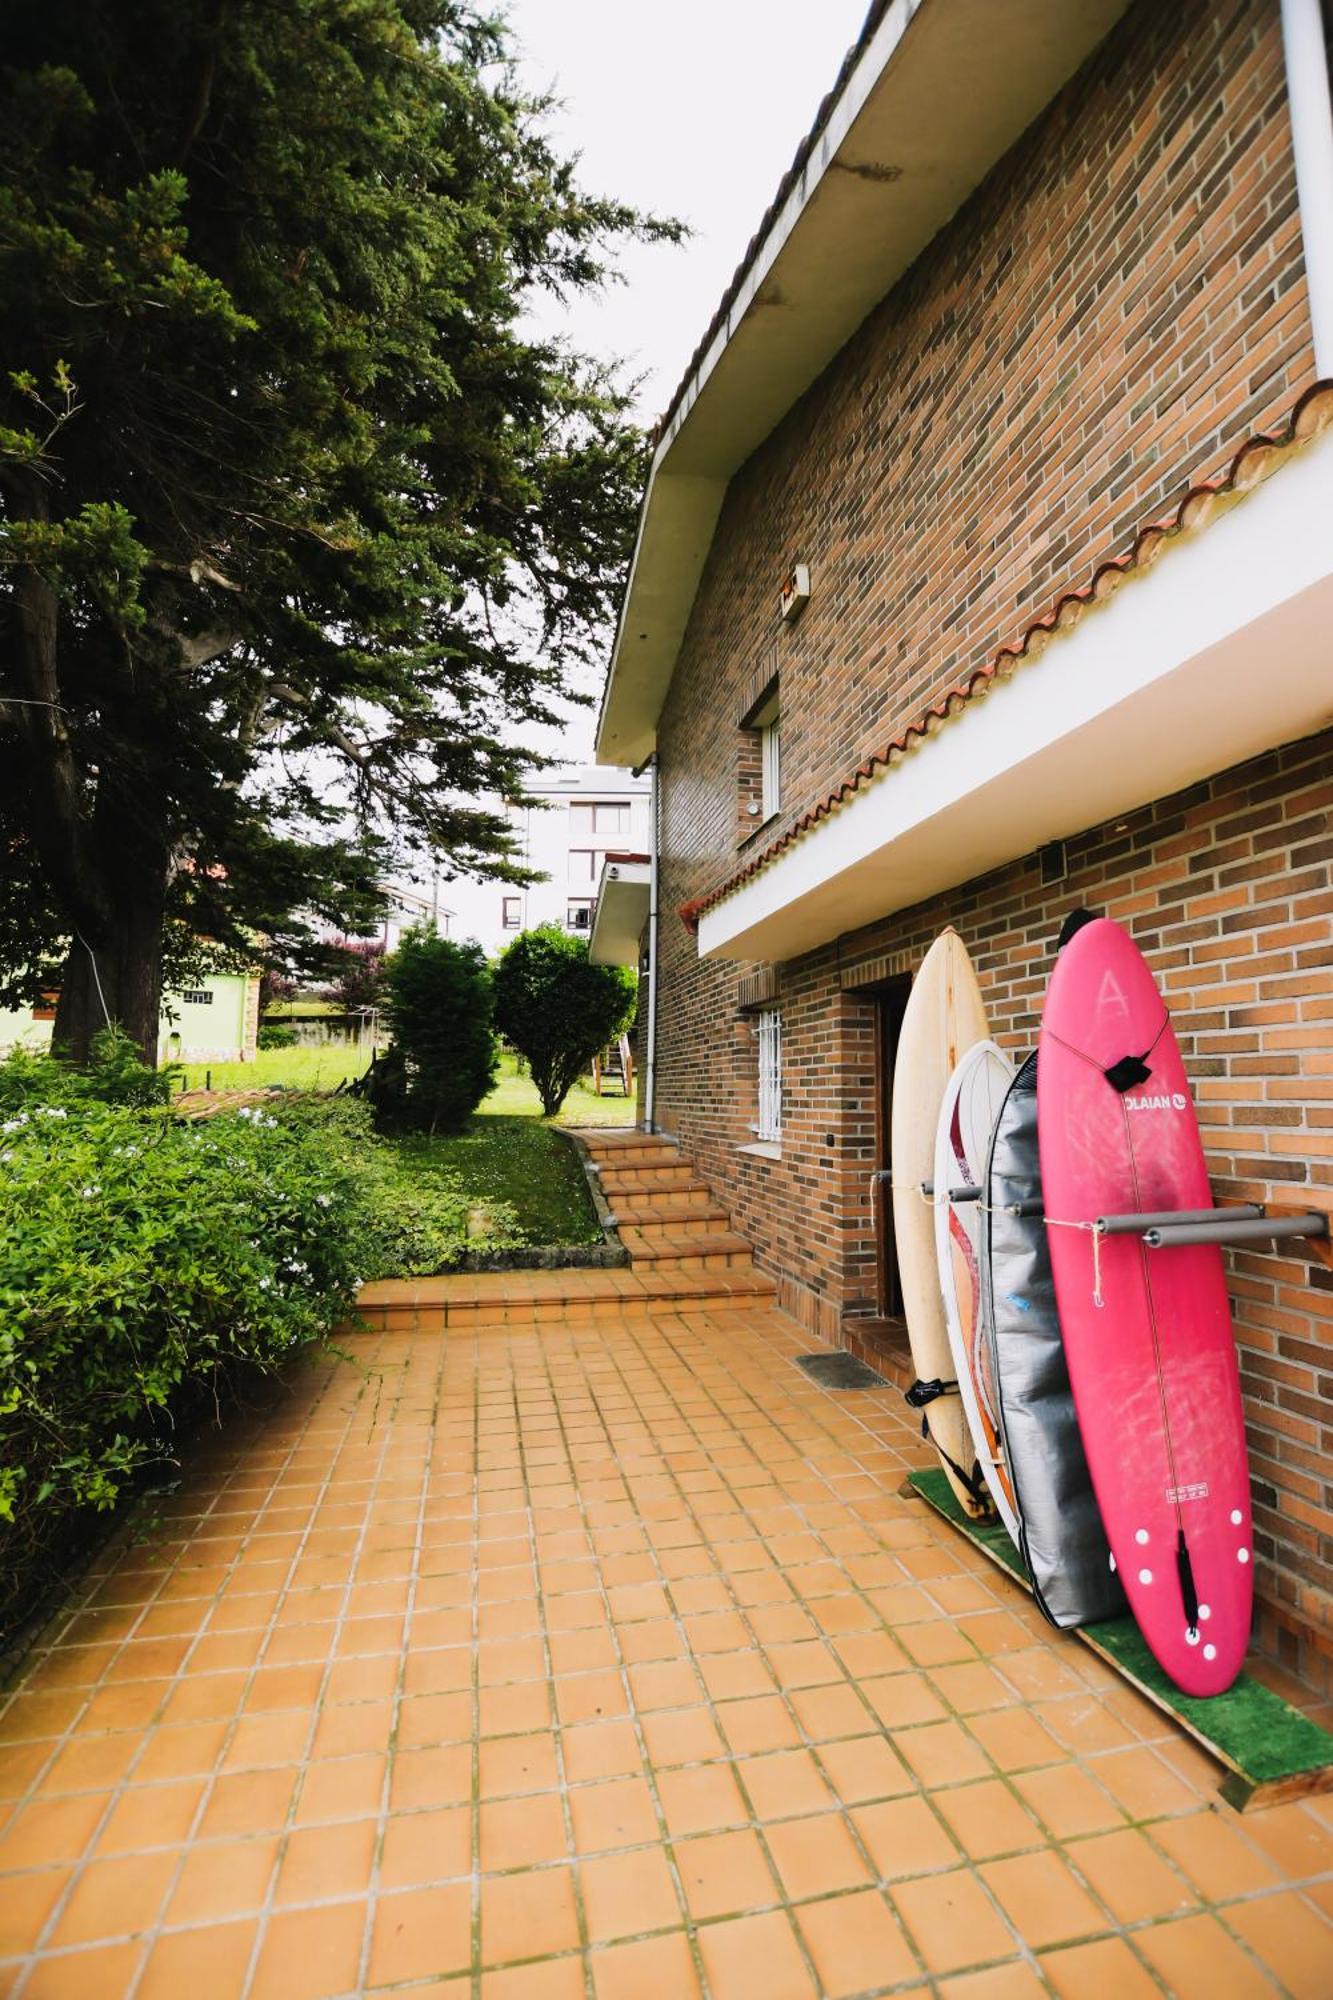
(600, 1659)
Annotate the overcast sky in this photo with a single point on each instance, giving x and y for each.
(690, 108)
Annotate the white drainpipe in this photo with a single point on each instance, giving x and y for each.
(650, 1082)
(1312, 146)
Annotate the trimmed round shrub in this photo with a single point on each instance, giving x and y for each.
(558, 1008)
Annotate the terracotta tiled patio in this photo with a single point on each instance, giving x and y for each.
(601, 1658)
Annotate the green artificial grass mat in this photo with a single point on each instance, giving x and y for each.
(1265, 1742)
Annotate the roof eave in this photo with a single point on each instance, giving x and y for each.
(935, 92)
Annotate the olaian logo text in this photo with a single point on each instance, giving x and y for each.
(1175, 1102)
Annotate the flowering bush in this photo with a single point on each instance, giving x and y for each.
(148, 1266)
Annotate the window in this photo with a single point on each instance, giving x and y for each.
(768, 1033)
(582, 864)
(599, 817)
(511, 914)
(759, 765)
(579, 916)
(197, 996)
(769, 724)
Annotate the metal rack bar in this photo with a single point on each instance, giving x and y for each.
(1244, 1229)
(1135, 1225)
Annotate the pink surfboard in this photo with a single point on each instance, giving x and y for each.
(1147, 1332)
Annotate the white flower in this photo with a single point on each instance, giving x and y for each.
(323, 1201)
(51, 1111)
(266, 1284)
(89, 1192)
(15, 1124)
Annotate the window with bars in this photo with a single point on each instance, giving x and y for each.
(768, 1034)
(197, 996)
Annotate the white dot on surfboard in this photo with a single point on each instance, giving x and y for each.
(1140, 1536)
(1145, 1576)
(1205, 1611)
(1191, 1636)
(1111, 1560)
(1236, 1517)
(1242, 1555)
(1210, 1652)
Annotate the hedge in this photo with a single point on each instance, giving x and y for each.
(151, 1267)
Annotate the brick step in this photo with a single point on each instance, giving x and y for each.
(657, 1161)
(518, 1298)
(669, 1217)
(630, 1180)
(696, 1199)
(604, 1144)
(722, 1250)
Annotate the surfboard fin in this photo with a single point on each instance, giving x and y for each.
(1185, 1571)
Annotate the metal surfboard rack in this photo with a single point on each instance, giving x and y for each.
(1244, 1223)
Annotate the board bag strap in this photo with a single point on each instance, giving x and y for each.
(918, 1396)
(922, 1393)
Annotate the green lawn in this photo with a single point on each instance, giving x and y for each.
(514, 1096)
(521, 1161)
(298, 1069)
(508, 1154)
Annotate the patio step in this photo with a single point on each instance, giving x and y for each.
(631, 1203)
(669, 1217)
(625, 1145)
(508, 1298)
(653, 1179)
(721, 1250)
(644, 1159)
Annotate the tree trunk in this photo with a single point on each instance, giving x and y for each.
(115, 977)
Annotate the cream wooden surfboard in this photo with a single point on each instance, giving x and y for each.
(943, 1019)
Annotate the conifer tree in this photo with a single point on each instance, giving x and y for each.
(295, 508)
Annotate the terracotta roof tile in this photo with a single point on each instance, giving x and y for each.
(1256, 458)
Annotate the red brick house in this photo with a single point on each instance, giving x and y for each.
(985, 570)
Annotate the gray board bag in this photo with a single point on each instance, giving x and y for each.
(1061, 1539)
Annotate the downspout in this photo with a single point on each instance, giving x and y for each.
(1306, 53)
(649, 765)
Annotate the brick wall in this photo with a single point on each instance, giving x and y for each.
(1110, 315)
(1116, 308)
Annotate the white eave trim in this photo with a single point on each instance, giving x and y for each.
(1221, 650)
(936, 97)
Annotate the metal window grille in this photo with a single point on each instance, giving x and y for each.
(769, 1030)
(771, 752)
(197, 996)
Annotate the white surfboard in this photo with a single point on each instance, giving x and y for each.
(944, 1016)
(972, 1101)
